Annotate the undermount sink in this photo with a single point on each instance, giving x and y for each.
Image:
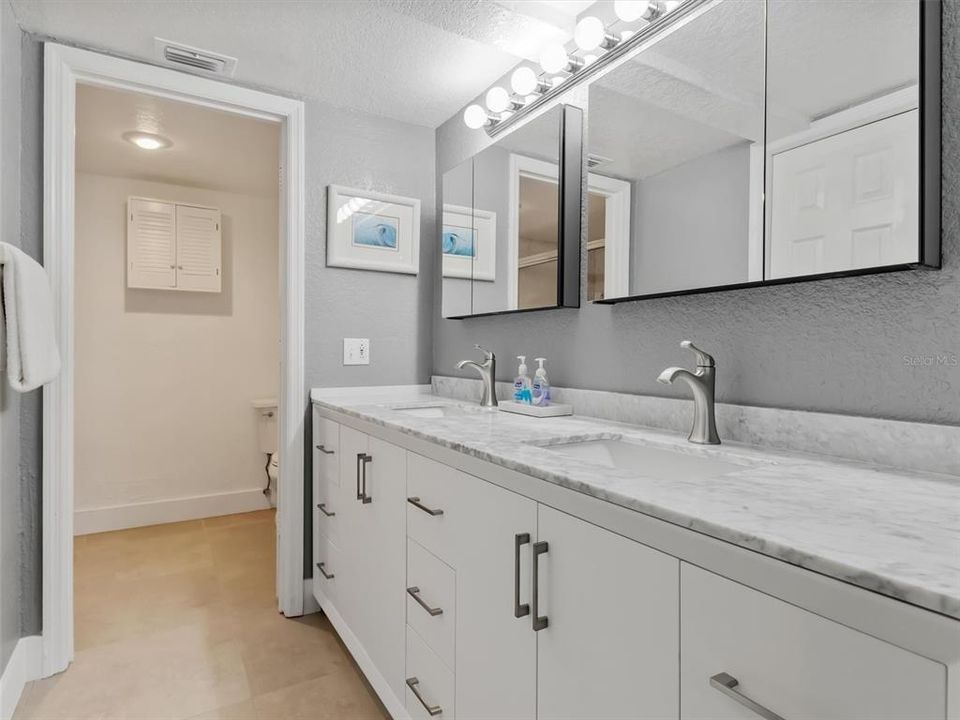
(649, 460)
(436, 410)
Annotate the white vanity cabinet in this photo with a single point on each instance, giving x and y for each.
(790, 662)
(467, 591)
(610, 646)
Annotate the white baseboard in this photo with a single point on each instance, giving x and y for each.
(310, 604)
(24, 665)
(155, 512)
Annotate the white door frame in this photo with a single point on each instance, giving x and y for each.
(64, 68)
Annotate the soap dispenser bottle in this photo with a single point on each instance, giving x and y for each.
(541, 386)
(521, 385)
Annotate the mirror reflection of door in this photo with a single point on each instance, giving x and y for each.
(843, 136)
(537, 232)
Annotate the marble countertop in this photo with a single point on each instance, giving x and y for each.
(893, 531)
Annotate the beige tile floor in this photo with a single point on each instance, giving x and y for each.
(179, 621)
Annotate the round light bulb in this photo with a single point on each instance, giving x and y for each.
(589, 33)
(589, 59)
(630, 10)
(474, 117)
(498, 99)
(554, 58)
(626, 35)
(524, 80)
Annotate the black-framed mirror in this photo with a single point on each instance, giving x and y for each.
(510, 227)
(767, 142)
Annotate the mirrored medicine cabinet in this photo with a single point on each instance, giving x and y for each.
(766, 142)
(510, 237)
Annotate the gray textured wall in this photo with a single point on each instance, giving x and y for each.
(863, 346)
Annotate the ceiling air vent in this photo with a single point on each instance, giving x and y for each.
(595, 161)
(184, 56)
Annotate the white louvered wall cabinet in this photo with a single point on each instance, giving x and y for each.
(171, 246)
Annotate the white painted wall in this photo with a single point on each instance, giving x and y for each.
(164, 380)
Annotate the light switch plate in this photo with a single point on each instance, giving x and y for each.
(356, 351)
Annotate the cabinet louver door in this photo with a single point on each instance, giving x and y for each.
(198, 249)
(151, 244)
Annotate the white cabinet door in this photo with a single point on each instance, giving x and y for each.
(496, 652)
(372, 594)
(847, 201)
(611, 645)
(791, 662)
(151, 244)
(198, 248)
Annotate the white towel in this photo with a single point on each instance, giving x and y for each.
(31, 344)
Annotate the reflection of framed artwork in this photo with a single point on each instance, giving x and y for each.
(372, 231)
(469, 243)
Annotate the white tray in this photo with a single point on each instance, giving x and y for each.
(536, 410)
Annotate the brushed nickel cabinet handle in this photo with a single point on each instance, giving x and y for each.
(328, 576)
(727, 684)
(539, 623)
(415, 501)
(414, 592)
(519, 610)
(364, 498)
(360, 457)
(323, 449)
(432, 710)
(322, 507)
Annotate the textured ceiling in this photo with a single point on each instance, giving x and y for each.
(211, 149)
(419, 61)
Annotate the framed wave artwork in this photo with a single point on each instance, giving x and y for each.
(368, 230)
(469, 243)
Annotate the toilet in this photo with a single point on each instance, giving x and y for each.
(267, 434)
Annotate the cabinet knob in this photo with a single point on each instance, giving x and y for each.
(414, 686)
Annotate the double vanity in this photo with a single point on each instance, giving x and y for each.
(479, 564)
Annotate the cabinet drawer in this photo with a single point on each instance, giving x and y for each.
(326, 565)
(431, 600)
(432, 507)
(792, 662)
(327, 511)
(326, 449)
(429, 683)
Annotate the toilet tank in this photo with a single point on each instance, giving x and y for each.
(267, 427)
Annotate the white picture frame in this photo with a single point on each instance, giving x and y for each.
(481, 263)
(368, 230)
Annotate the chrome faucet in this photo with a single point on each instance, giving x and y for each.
(488, 373)
(702, 383)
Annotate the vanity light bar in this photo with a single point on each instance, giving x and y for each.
(532, 91)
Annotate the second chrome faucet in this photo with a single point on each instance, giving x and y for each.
(702, 384)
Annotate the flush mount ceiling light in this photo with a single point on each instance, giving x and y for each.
(561, 67)
(147, 141)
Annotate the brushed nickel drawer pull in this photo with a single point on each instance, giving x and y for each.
(323, 449)
(519, 610)
(364, 498)
(539, 623)
(727, 684)
(414, 592)
(322, 507)
(432, 710)
(328, 576)
(415, 501)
